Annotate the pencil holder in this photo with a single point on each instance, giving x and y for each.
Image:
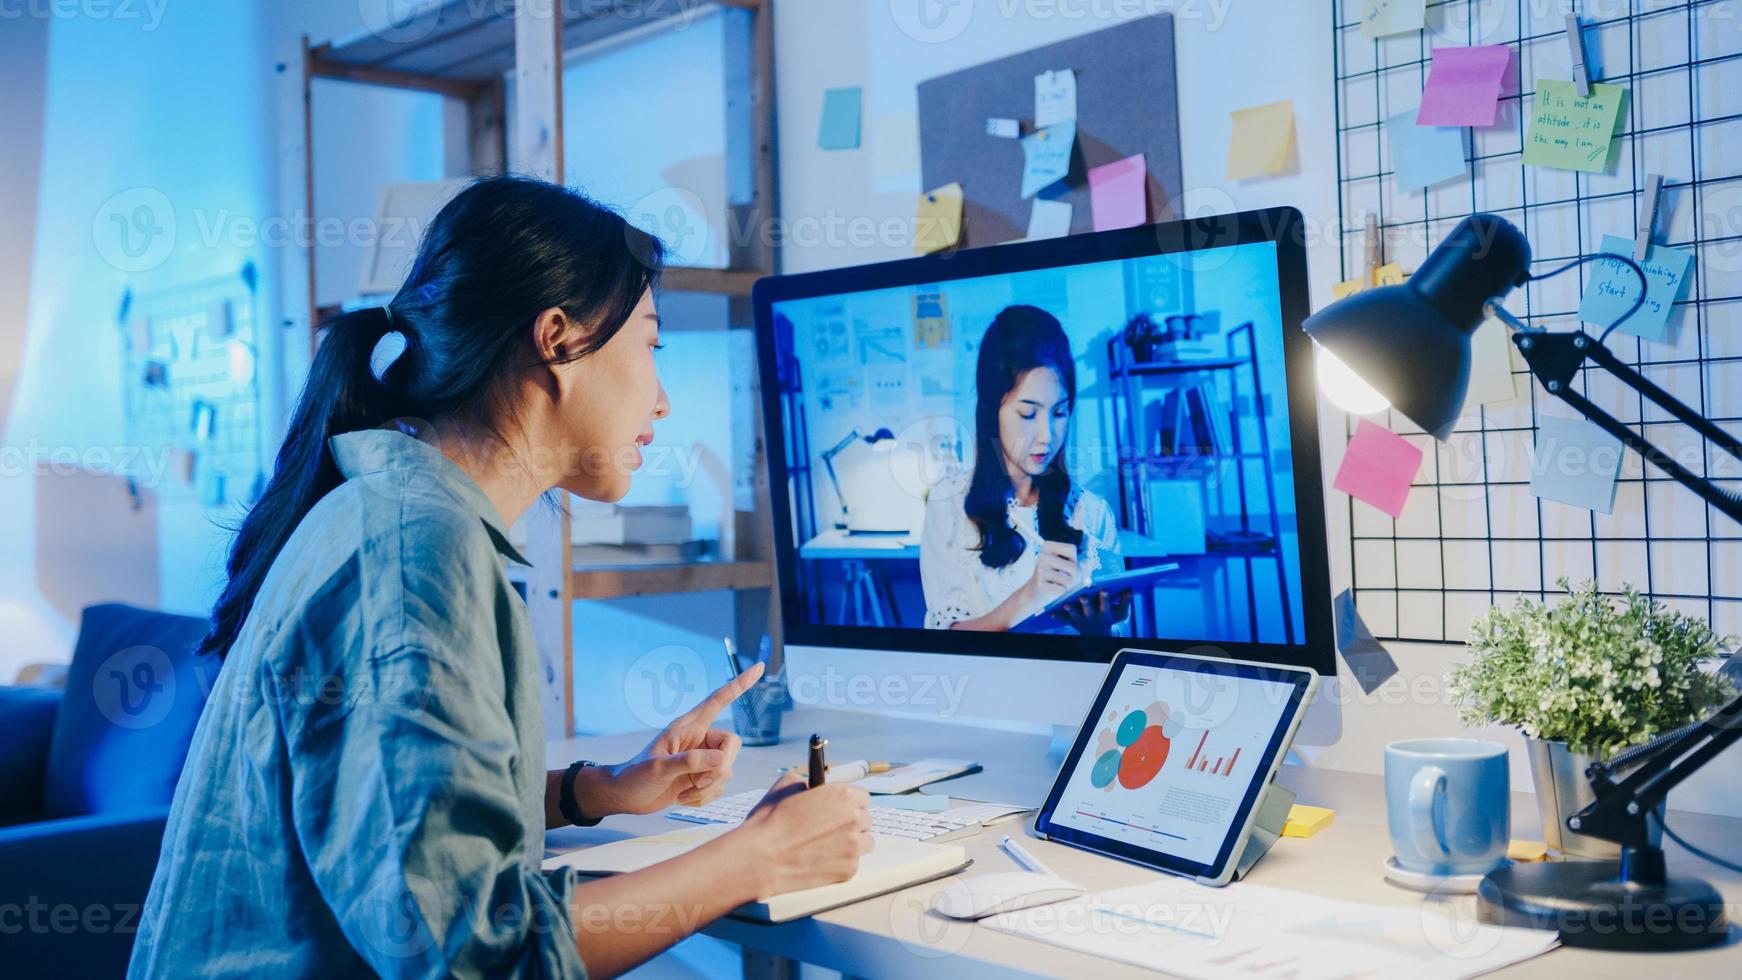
(756, 713)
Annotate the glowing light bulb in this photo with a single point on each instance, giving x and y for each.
(1345, 388)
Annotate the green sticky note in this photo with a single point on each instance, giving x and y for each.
(840, 125)
(1569, 131)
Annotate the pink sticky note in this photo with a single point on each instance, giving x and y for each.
(1464, 86)
(1378, 467)
(1116, 193)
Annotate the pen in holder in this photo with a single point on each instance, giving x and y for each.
(756, 713)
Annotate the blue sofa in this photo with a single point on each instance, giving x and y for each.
(86, 777)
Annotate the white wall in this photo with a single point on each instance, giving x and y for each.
(1230, 55)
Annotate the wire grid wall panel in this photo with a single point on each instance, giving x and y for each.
(1472, 534)
(188, 351)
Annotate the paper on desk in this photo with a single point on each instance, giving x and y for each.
(905, 779)
(1422, 156)
(986, 813)
(938, 224)
(1049, 219)
(839, 129)
(1380, 18)
(1464, 86)
(1613, 287)
(1055, 98)
(1211, 933)
(1046, 157)
(1569, 131)
(1575, 463)
(1118, 193)
(1378, 467)
(1263, 136)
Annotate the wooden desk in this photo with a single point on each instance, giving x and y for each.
(896, 935)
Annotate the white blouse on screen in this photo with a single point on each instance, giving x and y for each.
(959, 586)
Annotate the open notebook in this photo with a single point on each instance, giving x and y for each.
(893, 864)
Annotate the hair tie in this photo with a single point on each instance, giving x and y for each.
(387, 349)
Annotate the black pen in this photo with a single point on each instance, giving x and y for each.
(819, 763)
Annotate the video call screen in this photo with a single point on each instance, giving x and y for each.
(1100, 449)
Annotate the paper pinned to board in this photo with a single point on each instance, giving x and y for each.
(938, 224)
(1382, 18)
(1464, 86)
(1378, 468)
(839, 129)
(1575, 463)
(1422, 156)
(1046, 157)
(1367, 658)
(1049, 219)
(1389, 274)
(1118, 193)
(1569, 131)
(1055, 98)
(1613, 288)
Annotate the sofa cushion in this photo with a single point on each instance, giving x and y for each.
(26, 722)
(133, 696)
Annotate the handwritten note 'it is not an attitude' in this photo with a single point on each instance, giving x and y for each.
(1569, 131)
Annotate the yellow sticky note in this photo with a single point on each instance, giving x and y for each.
(1263, 137)
(1569, 131)
(939, 224)
(1527, 850)
(1382, 18)
(1305, 821)
(1389, 274)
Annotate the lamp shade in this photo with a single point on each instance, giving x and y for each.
(1411, 343)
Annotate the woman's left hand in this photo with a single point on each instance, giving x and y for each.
(688, 763)
(1097, 614)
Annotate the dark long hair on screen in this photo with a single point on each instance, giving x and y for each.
(1020, 339)
(499, 254)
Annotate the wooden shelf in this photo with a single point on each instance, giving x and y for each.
(449, 42)
(703, 576)
(728, 282)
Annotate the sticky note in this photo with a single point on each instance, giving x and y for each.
(1527, 850)
(1491, 377)
(1367, 658)
(1422, 156)
(1118, 193)
(1263, 136)
(1055, 98)
(1389, 274)
(1573, 132)
(1464, 85)
(1575, 463)
(1003, 128)
(1613, 287)
(1305, 821)
(1046, 157)
(939, 222)
(894, 151)
(1049, 219)
(1380, 18)
(840, 126)
(1378, 467)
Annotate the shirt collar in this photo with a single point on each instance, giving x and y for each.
(374, 450)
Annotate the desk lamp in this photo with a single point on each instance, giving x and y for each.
(829, 454)
(1408, 346)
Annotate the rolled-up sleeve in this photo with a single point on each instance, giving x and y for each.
(406, 809)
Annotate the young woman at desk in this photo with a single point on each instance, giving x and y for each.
(1001, 543)
(366, 791)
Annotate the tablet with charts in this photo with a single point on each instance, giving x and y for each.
(1172, 759)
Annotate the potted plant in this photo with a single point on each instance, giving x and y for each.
(1584, 678)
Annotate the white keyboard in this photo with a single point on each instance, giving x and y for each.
(886, 821)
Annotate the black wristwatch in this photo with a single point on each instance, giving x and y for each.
(566, 797)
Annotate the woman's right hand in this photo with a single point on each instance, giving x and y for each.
(808, 837)
(1055, 573)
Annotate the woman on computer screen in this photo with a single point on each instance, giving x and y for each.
(1002, 542)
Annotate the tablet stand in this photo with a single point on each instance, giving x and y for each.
(1266, 827)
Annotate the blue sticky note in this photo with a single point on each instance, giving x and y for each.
(840, 125)
(1046, 157)
(1613, 287)
(1575, 463)
(1422, 156)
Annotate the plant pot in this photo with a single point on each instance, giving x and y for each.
(1562, 790)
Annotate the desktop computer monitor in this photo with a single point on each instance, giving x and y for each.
(1125, 418)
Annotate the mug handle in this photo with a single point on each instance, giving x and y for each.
(1427, 788)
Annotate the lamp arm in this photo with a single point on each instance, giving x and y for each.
(1556, 358)
(1619, 812)
(829, 455)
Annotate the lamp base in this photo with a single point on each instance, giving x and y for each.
(1589, 904)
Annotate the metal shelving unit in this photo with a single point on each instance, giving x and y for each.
(465, 52)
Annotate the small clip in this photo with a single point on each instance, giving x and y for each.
(1576, 46)
(1648, 204)
(1375, 246)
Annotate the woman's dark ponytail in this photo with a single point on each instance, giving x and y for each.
(503, 251)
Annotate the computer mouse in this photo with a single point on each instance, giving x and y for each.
(1004, 891)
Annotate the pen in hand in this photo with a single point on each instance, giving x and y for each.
(819, 765)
